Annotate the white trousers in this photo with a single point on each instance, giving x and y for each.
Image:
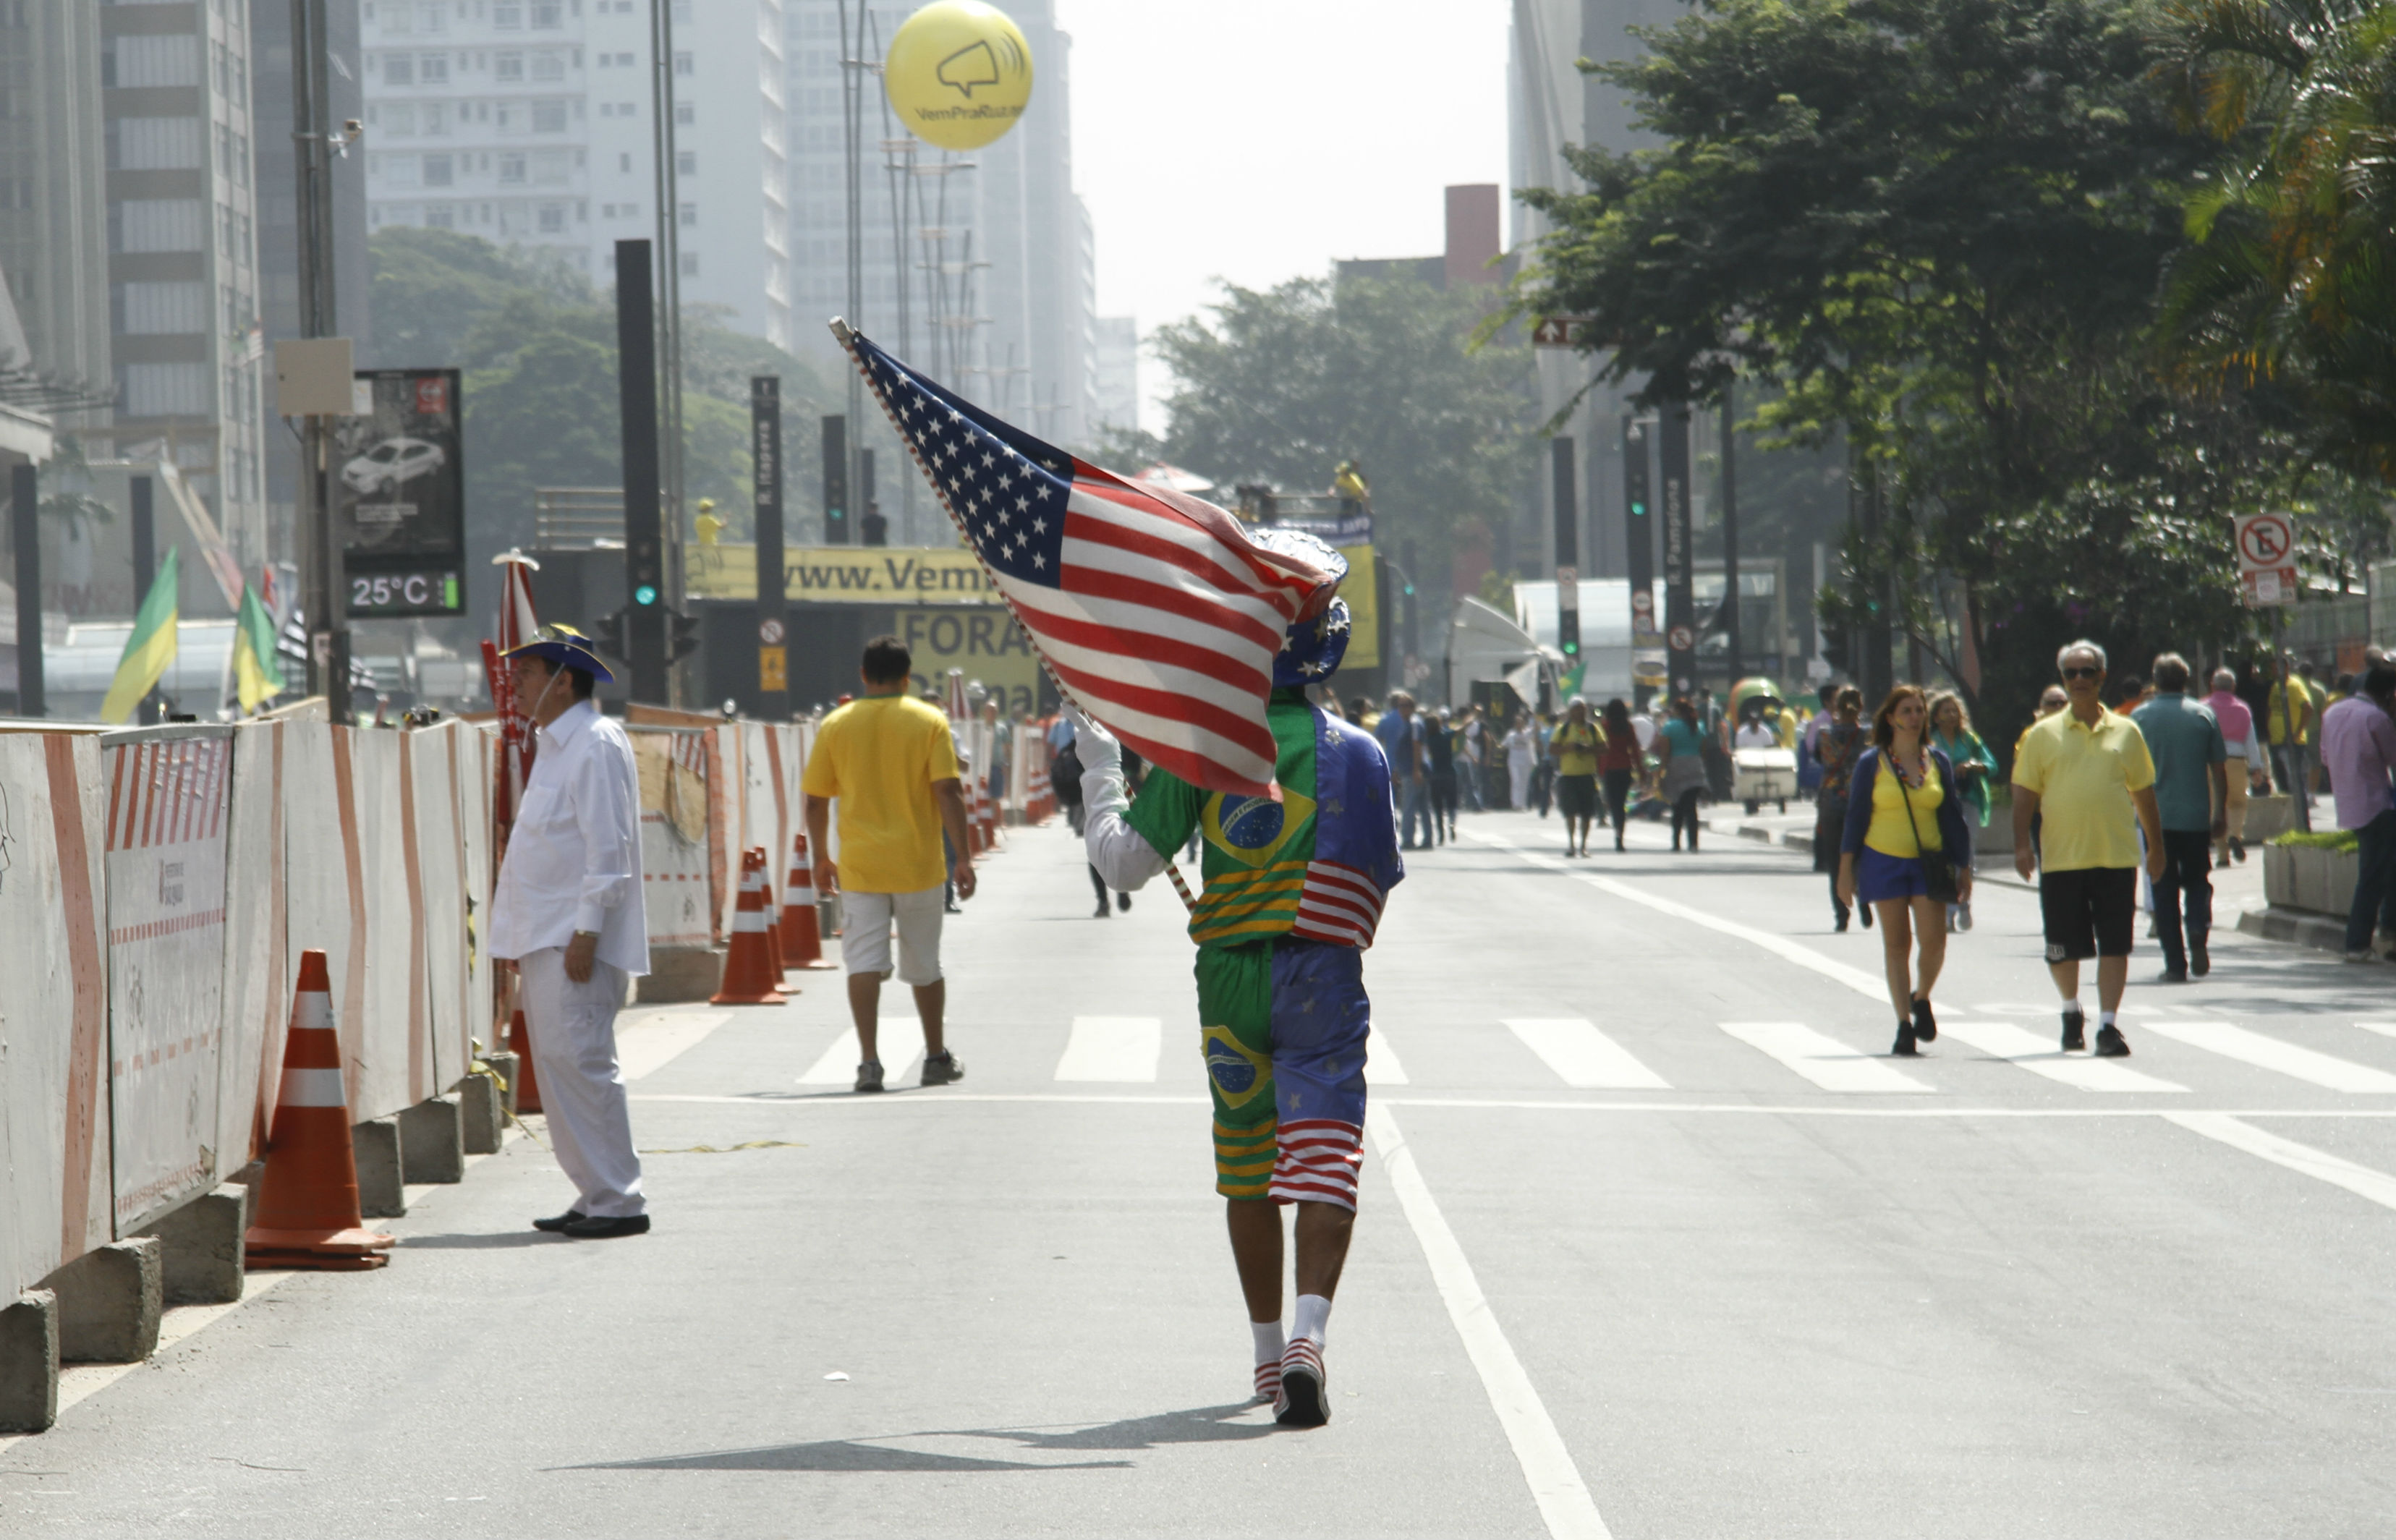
(581, 1088)
(1518, 780)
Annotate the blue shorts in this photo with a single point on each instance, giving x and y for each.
(1880, 876)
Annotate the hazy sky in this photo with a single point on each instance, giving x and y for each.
(1259, 139)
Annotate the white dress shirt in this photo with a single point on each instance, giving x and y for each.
(574, 858)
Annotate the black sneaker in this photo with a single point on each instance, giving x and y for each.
(1123, 900)
(1905, 1038)
(942, 1068)
(2110, 1043)
(2200, 961)
(1925, 1025)
(2075, 1031)
(2238, 848)
(2175, 976)
(869, 1075)
(1304, 1400)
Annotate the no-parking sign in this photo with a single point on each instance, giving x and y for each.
(2267, 558)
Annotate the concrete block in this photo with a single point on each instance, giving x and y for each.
(678, 974)
(504, 1065)
(483, 1118)
(29, 1362)
(109, 1303)
(203, 1255)
(431, 1140)
(383, 1169)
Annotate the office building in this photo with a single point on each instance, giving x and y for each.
(1115, 375)
(53, 204)
(529, 122)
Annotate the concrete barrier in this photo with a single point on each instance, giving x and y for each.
(110, 1301)
(383, 1169)
(29, 1362)
(482, 1116)
(200, 1247)
(433, 1140)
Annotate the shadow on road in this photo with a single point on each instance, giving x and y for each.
(1203, 1425)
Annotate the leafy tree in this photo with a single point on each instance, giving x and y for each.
(1938, 227)
(1279, 385)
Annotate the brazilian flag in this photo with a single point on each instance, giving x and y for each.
(256, 676)
(150, 648)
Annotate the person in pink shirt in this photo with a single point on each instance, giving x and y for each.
(2246, 762)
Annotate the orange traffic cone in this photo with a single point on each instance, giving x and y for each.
(308, 1200)
(520, 1044)
(801, 937)
(750, 977)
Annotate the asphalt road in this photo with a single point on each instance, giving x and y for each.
(1654, 1242)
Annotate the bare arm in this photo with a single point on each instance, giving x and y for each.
(2151, 819)
(2025, 812)
(950, 795)
(818, 814)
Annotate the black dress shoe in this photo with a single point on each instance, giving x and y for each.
(594, 1228)
(571, 1217)
(1926, 1025)
(2200, 961)
(1905, 1040)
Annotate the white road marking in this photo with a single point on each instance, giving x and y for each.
(1584, 1057)
(1532, 1104)
(1381, 1064)
(2042, 1056)
(838, 1066)
(1114, 1049)
(2270, 1053)
(2361, 1181)
(1563, 1499)
(1824, 1060)
(1871, 985)
(649, 1046)
(2384, 1029)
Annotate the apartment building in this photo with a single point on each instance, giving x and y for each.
(1116, 374)
(53, 199)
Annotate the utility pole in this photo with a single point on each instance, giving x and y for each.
(668, 293)
(1567, 512)
(25, 497)
(644, 637)
(1638, 548)
(853, 71)
(1730, 537)
(322, 590)
(773, 611)
(145, 572)
(1680, 591)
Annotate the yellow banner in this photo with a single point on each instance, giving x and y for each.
(1361, 590)
(986, 643)
(850, 575)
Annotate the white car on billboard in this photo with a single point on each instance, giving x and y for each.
(383, 468)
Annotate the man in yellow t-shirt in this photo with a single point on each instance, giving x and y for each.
(890, 761)
(2088, 772)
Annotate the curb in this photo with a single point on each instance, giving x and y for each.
(2300, 927)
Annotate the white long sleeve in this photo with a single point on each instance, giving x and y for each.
(1123, 857)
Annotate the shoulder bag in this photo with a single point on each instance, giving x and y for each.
(1938, 871)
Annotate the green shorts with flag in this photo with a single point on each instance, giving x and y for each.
(1283, 1024)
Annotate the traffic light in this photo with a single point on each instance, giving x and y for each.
(1568, 633)
(682, 636)
(1834, 649)
(614, 634)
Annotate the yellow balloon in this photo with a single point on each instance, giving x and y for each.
(959, 73)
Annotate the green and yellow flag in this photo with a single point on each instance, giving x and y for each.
(256, 675)
(150, 648)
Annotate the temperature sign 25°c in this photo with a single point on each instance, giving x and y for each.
(398, 492)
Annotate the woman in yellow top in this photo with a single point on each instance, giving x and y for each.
(1575, 744)
(1899, 809)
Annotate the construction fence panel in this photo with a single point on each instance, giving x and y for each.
(324, 879)
(393, 1068)
(257, 964)
(440, 863)
(674, 845)
(168, 790)
(758, 794)
(54, 1113)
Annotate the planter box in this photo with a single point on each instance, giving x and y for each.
(2318, 882)
(2269, 817)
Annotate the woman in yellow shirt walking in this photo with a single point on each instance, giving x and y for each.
(1907, 853)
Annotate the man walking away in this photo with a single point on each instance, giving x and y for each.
(2358, 748)
(2080, 773)
(2192, 792)
(2288, 724)
(889, 760)
(568, 912)
(2246, 750)
(1400, 737)
(1439, 753)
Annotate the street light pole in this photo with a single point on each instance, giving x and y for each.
(853, 70)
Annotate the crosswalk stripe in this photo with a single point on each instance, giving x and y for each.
(1824, 1060)
(2044, 1057)
(1381, 1064)
(1116, 1049)
(2361, 1180)
(2270, 1052)
(1583, 1057)
(838, 1066)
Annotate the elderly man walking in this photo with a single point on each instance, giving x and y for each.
(568, 911)
(2246, 762)
(2082, 773)
(890, 761)
(2192, 798)
(2358, 748)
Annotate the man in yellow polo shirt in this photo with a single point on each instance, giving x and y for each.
(889, 760)
(2088, 772)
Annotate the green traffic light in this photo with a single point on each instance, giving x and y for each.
(645, 594)
(1639, 510)
(1571, 647)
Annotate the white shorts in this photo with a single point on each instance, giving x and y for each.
(865, 920)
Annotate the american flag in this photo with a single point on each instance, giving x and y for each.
(1154, 612)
